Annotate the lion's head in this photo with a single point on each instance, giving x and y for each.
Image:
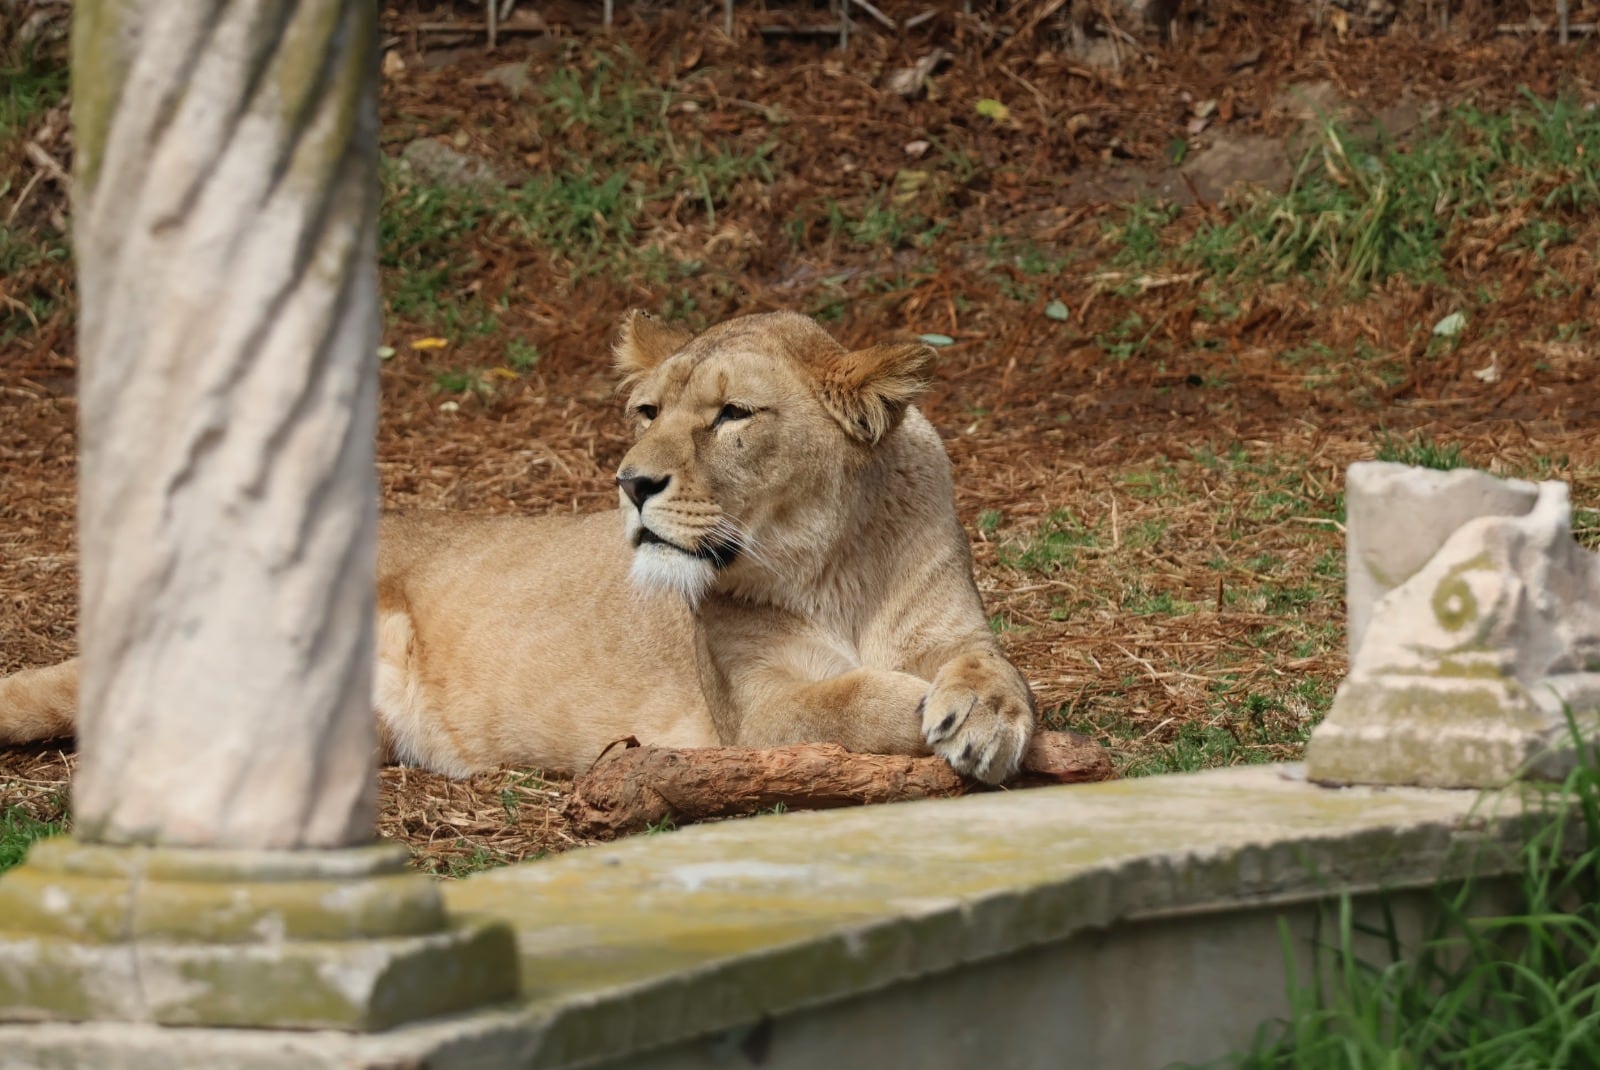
(751, 437)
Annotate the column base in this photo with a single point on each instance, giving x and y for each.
(346, 939)
(1452, 732)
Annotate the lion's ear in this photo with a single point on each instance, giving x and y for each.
(868, 390)
(644, 342)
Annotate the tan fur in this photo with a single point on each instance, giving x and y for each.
(847, 614)
(39, 703)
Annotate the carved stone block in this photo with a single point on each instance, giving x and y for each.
(1469, 668)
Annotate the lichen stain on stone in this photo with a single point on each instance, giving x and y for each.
(322, 116)
(99, 69)
(695, 876)
(1485, 668)
(1454, 605)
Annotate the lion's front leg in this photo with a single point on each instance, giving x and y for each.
(978, 715)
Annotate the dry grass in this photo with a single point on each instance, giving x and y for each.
(457, 826)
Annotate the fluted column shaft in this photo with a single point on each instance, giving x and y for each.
(224, 224)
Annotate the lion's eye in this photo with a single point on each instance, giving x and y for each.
(646, 412)
(729, 413)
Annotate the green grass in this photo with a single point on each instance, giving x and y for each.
(425, 251)
(463, 381)
(1421, 452)
(877, 222)
(1128, 337)
(1519, 990)
(1244, 730)
(475, 860)
(616, 170)
(1586, 526)
(1052, 545)
(1362, 208)
(1138, 234)
(22, 255)
(18, 830)
(28, 89)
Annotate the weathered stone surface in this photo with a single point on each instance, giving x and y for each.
(1231, 162)
(513, 77)
(225, 232)
(304, 939)
(721, 935)
(96, 894)
(1398, 516)
(1468, 668)
(435, 161)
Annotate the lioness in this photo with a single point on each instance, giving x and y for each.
(786, 566)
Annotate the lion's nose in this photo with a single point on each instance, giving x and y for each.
(639, 488)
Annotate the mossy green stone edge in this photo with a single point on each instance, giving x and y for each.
(339, 939)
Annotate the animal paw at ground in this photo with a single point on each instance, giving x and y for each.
(978, 715)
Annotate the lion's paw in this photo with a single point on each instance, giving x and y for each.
(978, 715)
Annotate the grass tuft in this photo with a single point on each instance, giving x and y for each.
(19, 830)
(1514, 990)
(28, 89)
(1052, 545)
(1420, 452)
(1362, 208)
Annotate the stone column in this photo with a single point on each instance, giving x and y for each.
(225, 220)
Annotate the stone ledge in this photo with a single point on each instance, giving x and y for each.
(635, 946)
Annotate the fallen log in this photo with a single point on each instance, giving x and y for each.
(632, 787)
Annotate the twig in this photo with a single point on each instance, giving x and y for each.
(883, 20)
(822, 29)
(474, 29)
(1146, 283)
(37, 154)
(1050, 7)
(1320, 521)
(22, 198)
(1534, 26)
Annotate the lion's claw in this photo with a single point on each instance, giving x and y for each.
(978, 716)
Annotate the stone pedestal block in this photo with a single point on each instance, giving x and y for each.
(344, 939)
(1478, 668)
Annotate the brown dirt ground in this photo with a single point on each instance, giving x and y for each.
(1036, 418)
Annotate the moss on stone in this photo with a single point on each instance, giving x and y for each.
(346, 939)
(1454, 604)
(99, 69)
(322, 108)
(362, 985)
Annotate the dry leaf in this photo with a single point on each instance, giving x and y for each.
(990, 108)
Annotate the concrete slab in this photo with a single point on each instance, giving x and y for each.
(715, 936)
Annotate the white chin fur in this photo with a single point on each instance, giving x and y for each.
(661, 568)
